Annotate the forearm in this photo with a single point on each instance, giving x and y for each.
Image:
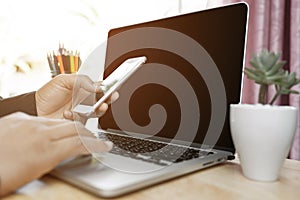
(23, 103)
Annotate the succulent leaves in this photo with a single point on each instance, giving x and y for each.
(268, 70)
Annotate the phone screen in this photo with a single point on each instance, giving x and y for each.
(118, 77)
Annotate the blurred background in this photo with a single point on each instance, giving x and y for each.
(29, 29)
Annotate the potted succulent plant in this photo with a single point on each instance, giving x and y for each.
(262, 133)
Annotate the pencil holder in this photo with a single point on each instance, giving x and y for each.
(63, 61)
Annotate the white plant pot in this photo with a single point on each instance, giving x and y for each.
(262, 135)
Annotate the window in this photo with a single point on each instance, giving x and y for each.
(31, 28)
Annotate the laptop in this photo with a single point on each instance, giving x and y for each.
(172, 116)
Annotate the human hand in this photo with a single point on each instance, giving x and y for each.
(32, 146)
(56, 98)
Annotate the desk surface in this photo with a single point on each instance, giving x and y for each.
(224, 181)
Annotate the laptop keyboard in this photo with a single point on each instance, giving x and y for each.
(151, 151)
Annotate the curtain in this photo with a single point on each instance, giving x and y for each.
(273, 25)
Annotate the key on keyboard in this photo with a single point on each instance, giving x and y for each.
(151, 151)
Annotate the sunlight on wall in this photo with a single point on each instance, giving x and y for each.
(31, 28)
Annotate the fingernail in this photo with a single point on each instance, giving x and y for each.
(115, 96)
(109, 144)
(103, 88)
(68, 114)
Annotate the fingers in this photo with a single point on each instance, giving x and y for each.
(67, 143)
(77, 81)
(95, 145)
(75, 116)
(68, 129)
(103, 108)
(54, 129)
(83, 81)
(17, 115)
(33, 119)
(112, 98)
(68, 115)
(74, 146)
(100, 111)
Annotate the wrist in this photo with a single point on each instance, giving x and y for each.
(23, 103)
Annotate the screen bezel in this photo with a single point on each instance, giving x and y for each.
(243, 6)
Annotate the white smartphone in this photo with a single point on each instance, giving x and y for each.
(112, 83)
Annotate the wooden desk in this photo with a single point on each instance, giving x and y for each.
(220, 182)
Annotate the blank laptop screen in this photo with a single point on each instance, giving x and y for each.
(157, 93)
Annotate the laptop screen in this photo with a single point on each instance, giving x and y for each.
(192, 74)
